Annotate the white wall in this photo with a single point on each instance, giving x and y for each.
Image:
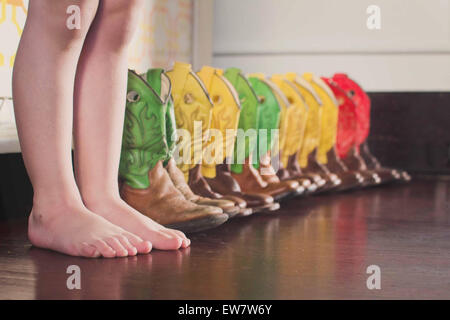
(164, 34)
(411, 51)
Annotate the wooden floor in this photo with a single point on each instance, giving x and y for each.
(314, 248)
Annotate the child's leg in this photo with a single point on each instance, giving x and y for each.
(43, 81)
(100, 91)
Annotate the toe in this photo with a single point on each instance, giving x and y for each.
(117, 246)
(104, 249)
(132, 251)
(163, 240)
(185, 242)
(142, 246)
(89, 251)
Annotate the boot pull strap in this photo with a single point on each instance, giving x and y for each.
(180, 72)
(206, 74)
(160, 82)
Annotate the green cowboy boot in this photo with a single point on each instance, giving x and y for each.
(145, 185)
(242, 169)
(269, 120)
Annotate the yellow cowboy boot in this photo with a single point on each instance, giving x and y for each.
(292, 129)
(305, 159)
(225, 120)
(193, 113)
(328, 125)
(223, 143)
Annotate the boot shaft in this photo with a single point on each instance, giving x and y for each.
(225, 117)
(347, 124)
(312, 127)
(295, 117)
(143, 142)
(153, 77)
(362, 103)
(248, 119)
(193, 112)
(329, 116)
(268, 118)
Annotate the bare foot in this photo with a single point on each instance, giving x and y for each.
(74, 230)
(121, 214)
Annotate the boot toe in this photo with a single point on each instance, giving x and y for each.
(405, 176)
(200, 224)
(245, 212)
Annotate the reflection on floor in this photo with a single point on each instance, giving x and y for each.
(314, 248)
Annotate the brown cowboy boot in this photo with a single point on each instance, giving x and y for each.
(293, 170)
(350, 179)
(200, 186)
(163, 203)
(303, 180)
(354, 162)
(180, 183)
(314, 167)
(373, 164)
(268, 174)
(251, 182)
(225, 184)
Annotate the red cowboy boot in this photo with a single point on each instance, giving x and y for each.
(362, 102)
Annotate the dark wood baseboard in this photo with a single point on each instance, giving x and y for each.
(16, 193)
(411, 130)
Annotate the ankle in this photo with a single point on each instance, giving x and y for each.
(101, 201)
(55, 203)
